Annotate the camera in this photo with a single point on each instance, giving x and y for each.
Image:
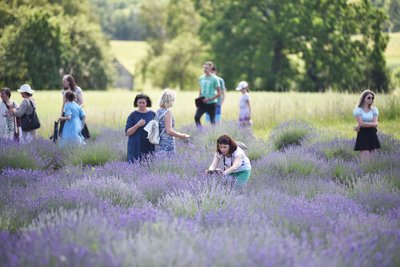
(216, 171)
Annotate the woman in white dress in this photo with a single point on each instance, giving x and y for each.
(244, 104)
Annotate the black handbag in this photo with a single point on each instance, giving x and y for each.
(54, 137)
(199, 101)
(85, 132)
(30, 122)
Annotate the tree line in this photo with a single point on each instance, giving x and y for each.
(42, 39)
(276, 45)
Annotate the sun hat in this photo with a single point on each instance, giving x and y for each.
(242, 85)
(25, 88)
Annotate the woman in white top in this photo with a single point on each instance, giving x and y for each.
(244, 104)
(8, 123)
(367, 122)
(235, 161)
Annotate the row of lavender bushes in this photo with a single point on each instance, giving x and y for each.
(309, 202)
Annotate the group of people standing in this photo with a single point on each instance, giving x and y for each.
(139, 147)
(210, 101)
(73, 129)
(11, 114)
(72, 120)
(211, 97)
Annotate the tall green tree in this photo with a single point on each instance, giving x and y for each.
(31, 51)
(176, 51)
(41, 40)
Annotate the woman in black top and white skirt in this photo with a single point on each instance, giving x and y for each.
(367, 122)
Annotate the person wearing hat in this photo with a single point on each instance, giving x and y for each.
(27, 107)
(244, 104)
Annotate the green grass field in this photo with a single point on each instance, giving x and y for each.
(129, 53)
(329, 111)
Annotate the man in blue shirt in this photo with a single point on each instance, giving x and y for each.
(221, 99)
(210, 91)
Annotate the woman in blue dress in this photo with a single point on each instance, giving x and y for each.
(74, 118)
(167, 123)
(139, 147)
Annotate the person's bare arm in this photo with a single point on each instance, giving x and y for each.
(362, 124)
(205, 100)
(248, 103)
(18, 112)
(236, 164)
(80, 99)
(168, 127)
(214, 163)
(135, 127)
(65, 118)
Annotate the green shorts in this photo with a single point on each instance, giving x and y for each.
(241, 177)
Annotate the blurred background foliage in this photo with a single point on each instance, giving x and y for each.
(276, 45)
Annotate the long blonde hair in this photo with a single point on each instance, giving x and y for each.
(363, 96)
(167, 98)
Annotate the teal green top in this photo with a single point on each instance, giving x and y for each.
(208, 85)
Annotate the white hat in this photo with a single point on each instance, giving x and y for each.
(242, 85)
(25, 88)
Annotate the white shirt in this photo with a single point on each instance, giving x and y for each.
(244, 110)
(245, 164)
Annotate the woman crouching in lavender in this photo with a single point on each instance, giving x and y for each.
(236, 164)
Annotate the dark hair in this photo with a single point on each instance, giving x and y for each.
(226, 140)
(7, 91)
(142, 96)
(213, 68)
(71, 81)
(27, 94)
(70, 96)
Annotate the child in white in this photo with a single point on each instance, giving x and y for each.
(244, 104)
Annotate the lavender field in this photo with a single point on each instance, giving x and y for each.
(309, 202)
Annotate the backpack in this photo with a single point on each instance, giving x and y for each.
(153, 131)
(242, 146)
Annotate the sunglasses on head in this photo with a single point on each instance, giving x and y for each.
(223, 141)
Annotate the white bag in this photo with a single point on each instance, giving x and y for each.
(153, 132)
(152, 129)
(242, 146)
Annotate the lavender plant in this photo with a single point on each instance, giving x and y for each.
(309, 205)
